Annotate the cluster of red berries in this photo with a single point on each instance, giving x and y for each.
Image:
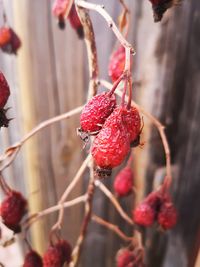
(12, 210)
(116, 128)
(159, 7)
(4, 95)
(157, 206)
(59, 10)
(55, 256)
(129, 258)
(9, 40)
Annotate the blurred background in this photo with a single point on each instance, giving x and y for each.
(49, 76)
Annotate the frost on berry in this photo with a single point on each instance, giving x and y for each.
(75, 22)
(167, 216)
(111, 145)
(12, 209)
(124, 257)
(144, 215)
(56, 255)
(159, 8)
(123, 183)
(96, 111)
(5, 36)
(32, 259)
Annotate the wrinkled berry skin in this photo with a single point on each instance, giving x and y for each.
(167, 216)
(123, 183)
(144, 215)
(75, 22)
(116, 63)
(5, 35)
(4, 90)
(32, 259)
(60, 7)
(124, 258)
(132, 121)
(111, 145)
(57, 255)
(96, 111)
(13, 208)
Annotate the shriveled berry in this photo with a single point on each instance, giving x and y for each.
(5, 35)
(144, 214)
(12, 209)
(123, 183)
(57, 255)
(32, 259)
(4, 90)
(75, 22)
(124, 258)
(167, 216)
(111, 145)
(96, 112)
(116, 63)
(60, 7)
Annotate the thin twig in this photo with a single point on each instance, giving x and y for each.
(11, 152)
(160, 129)
(114, 201)
(111, 227)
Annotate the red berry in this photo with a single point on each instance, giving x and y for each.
(57, 255)
(144, 214)
(75, 21)
(32, 259)
(132, 120)
(111, 145)
(123, 183)
(124, 258)
(13, 45)
(60, 7)
(167, 216)
(5, 35)
(116, 63)
(96, 112)
(4, 90)
(13, 209)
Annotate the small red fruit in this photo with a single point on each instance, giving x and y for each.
(5, 35)
(13, 209)
(167, 216)
(60, 7)
(96, 112)
(57, 255)
(144, 214)
(75, 21)
(124, 258)
(32, 259)
(4, 90)
(13, 44)
(123, 183)
(112, 144)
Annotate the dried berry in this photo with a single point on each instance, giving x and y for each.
(60, 7)
(167, 216)
(144, 214)
(5, 35)
(56, 255)
(117, 63)
(96, 112)
(4, 90)
(123, 183)
(112, 144)
(124, 258)
(13, 44)
(12, 209)
(75, 21)
(32, 259)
